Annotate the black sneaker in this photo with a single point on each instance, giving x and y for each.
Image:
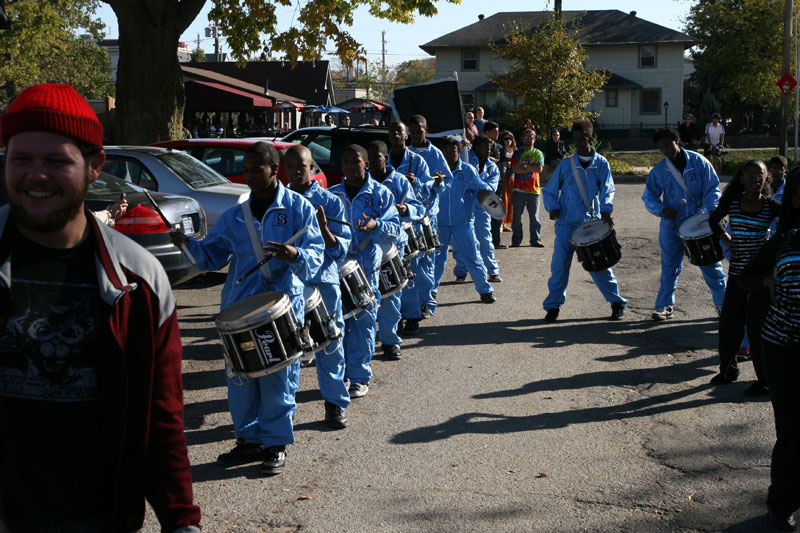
(274, 460)
(537, 244)
(242, 454)
(780, 522)
(334, 416)
(461, 279)
(412, 327)
(617, 311)
(494, 278)
(552, 315)
(500, 246)
(756, 390)
(392, 352)
(358, 390)
(725, 379)
(515, 245)
(426, 312)
(488, 298)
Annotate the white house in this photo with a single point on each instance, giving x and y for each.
(645, 61)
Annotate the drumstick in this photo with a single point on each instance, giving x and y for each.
(268, 256)
(342, 222)
(183, 247)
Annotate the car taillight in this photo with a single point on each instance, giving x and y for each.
(140, 219)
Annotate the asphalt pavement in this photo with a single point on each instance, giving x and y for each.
(497, 421)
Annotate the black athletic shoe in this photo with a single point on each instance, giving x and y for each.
(617, 311)
(537, 244)
(412, 327)
(552, 315)
(515, 245)
(392, 352)
(781, 523)
(725, 379)
(274, 460)
(242, 454)
(488, 298)
(500, 246)
(756, 390)
(334, 416)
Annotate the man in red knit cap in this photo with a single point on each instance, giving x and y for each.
(91, 405)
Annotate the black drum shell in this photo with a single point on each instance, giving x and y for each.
(600, 255)
(703, 251)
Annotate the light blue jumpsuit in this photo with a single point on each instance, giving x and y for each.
(262, 408)
(454, 213)
(330, 360)
(389, 313)
(481, 221)
(661, 190)
(377, 203)
(562, 193)
(436, 162)
(412, 298)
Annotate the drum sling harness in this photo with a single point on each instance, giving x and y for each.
(255, 241)
(679, 178)
(579, 183)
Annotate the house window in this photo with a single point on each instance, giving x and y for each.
(468, 100)
(650, 103)
(612, 97)
(469, 59)
(647, 56)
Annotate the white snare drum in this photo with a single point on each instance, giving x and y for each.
(413, 244)
(393, 276)
(595, 242)
(701, 246)
(319, 324)
(261, 335)
(356, 292)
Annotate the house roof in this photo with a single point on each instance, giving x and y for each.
(615, 81)
(307, 80)
(606, 26)
(198, 74)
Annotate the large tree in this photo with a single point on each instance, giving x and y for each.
(738, 56)
(546, 73)
(54, 41)
(149, 83)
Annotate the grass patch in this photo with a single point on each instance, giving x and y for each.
(640, 163)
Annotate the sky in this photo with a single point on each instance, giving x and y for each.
(402, 41)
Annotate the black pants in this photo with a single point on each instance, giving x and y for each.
(497, 223)
(782, 371)
(741, 308)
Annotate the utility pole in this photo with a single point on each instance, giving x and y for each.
(787, 61)
(383, 51)
(198, 41)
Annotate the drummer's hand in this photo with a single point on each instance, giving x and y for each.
(322, 220)
(669, 213)
(411, 177)
(282, 252)
(554, 214)
(402, 209)
(178, 238)
(726, 239)
(437, 179)
(606, 217)
(366, 223)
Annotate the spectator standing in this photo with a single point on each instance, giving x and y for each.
(470, 129)
(480, 122)
(714, 134)
(690, 138)
(527, 163)
(555, 149)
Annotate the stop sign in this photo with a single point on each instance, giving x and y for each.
(786, 83)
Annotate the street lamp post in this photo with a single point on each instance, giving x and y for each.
(666, 108)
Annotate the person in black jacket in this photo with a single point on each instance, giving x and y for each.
(555, 150)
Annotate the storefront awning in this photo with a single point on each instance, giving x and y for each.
(216, 96)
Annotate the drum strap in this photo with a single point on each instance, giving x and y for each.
(679, 178)
(579, 183)
(255, 241)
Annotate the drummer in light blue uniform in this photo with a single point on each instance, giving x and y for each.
(665, 197)
(330, 360)
(454, 220)
(409, 209)
(437, 166)
(370, 208)
(481, 222)
(262, 408)
(565, 202)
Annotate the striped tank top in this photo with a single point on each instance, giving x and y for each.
(749, 231)
(782, 323)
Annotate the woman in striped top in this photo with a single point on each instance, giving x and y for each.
(750, 214)
(777, 267)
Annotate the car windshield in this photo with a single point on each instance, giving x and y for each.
(108, 187)
(319, 144)
(193, 172)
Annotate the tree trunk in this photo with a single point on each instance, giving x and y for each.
(150, 97)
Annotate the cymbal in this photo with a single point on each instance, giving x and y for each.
(492, 204)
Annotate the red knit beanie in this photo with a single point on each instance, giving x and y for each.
(54, 108)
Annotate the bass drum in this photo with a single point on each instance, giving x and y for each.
(596, 244)
(260, 334)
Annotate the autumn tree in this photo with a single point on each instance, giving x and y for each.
(54, 41)
(546, 73)
(738, 57)
(415, 71)
(150, 96)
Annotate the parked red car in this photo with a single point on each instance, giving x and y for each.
(226, 155)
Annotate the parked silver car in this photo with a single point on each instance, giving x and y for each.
(174, 171)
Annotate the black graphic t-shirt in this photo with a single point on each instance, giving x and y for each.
(51, 460)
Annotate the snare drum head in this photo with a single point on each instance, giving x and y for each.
(264, 304)
(408, 227)
(389, 252)
(312, 296)
(695, 226)
(590, 232)
(348, 267)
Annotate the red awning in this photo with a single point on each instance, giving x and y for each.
(369, 104)
(242, 97)
(288, 106)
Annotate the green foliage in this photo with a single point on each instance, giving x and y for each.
(199, 56)
(415, 71)
(547, 73)
(709, 104)
(740, 49)
(380, 83)
(251, 26)
(45, 46)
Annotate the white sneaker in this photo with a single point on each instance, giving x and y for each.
(663, 313)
